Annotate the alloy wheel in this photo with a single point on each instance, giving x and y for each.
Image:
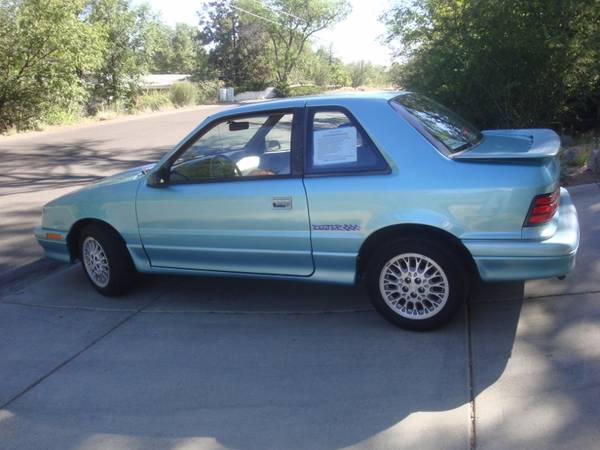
(414, 286)
(95, 262)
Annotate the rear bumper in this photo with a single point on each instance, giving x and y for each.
(502, 260)
(54, 246)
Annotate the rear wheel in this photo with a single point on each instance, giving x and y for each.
(105, 260)
(417, 285)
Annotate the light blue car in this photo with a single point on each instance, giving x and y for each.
(391, 189)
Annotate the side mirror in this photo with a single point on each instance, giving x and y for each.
(273, 145)
(157, 179)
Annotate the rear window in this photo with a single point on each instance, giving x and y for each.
(449, 128)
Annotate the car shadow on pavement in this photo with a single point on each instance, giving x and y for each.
(253, 364)
(546, 397)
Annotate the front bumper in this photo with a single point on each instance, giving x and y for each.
(54, 243)
(503, 260)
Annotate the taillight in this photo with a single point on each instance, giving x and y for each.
(542, 209)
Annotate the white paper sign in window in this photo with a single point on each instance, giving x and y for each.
(334, 146)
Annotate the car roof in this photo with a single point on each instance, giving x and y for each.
(299, 102)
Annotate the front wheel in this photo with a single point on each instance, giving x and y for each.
(416, 285)
(105, 260)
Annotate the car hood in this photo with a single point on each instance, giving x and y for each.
(99, 189)
(121, 177)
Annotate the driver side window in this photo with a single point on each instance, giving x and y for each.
(253, 146)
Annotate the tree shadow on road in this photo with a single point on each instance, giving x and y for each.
(48, 166)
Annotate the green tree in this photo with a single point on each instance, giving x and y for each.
(239, 45)
(45, 51)
(323, 68)
(290, 24)
(185, 50)
(503, 63)
(364, 73)
(176, 49)
(339, 75)
(358, 73)
(162, 57)
(130, 37)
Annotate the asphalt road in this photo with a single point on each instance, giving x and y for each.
(37, 167)
(206, 363)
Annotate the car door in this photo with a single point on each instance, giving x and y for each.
(234, 200)
(346, 180)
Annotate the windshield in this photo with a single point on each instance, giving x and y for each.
(446, 126)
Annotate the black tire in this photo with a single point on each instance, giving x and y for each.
(437, 309)
(121, 271)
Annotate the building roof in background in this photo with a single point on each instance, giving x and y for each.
(162, 81)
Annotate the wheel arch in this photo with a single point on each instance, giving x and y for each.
(75, 231)
(412, 231)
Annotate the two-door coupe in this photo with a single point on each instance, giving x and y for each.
(390, 188)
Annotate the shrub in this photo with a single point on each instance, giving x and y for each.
(252, 86)
(110, 111)
(45, 46)
(153, 101)
(183, 93)
(283, 90)
(57, 115)
(208, 91)
(298, 91)
(581, 158)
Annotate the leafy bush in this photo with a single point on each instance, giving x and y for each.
(503, 64)
(44, 47)
(283, 90)
(183, 93)
(252, 86)
(57, 115)
(153, 101)
(208, 91)
(582, 158)
(110, 111)
(298, 91)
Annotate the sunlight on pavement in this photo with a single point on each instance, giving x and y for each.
(423, 429)
(103, 441)
(5, 415)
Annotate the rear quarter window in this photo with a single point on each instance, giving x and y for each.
(337, 144)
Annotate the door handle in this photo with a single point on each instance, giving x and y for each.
(282, 203)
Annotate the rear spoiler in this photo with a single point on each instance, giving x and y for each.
(513, 144)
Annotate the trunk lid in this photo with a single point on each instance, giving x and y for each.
(525, 144)
(533, 153)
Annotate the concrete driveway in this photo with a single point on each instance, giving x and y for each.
(188, 363)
